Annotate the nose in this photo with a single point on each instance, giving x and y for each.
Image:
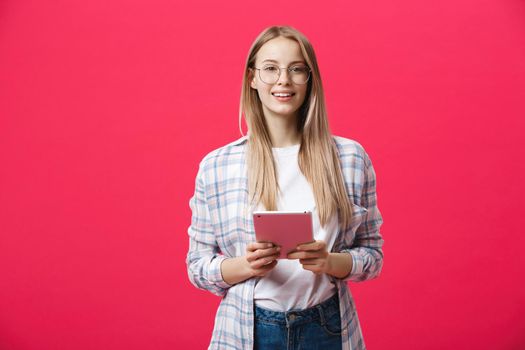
(284, 76)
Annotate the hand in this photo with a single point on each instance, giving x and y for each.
(313, 256)
(261, 257)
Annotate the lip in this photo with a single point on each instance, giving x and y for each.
(283, 99)
(283, 92)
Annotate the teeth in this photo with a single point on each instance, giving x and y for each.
(282, 95)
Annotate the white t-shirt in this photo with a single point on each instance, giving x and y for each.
(288, 286)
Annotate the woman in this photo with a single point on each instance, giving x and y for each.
(288, 161)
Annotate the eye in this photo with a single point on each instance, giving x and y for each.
(299, 69)
(270, 68)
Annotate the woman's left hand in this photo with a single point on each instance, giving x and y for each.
(313, 256)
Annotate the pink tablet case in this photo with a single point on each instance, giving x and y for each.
(283, 228)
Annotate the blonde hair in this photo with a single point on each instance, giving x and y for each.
(318, 156)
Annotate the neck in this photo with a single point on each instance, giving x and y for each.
(283, 131)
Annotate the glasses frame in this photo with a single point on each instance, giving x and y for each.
(288, 69)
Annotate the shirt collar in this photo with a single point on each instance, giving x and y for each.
(240, 141)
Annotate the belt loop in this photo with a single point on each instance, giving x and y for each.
(321, 314)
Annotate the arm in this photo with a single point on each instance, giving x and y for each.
(260, 258)
(235, 270)
(339, 264)
(316, 258)
(366, 251)
(210, 270)
(364, 259)
(204, 259)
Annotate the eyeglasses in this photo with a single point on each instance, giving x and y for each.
(270, 73)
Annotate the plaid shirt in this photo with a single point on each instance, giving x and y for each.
(222, 226)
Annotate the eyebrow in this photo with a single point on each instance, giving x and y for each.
(270, 60)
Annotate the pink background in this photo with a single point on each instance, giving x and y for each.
(107, 107)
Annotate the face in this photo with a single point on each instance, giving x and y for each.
(280, 52)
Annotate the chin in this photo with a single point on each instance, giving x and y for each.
(285, 111)
(285, 114)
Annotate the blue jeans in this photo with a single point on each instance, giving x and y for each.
(318, 327)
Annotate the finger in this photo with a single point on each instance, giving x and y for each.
(258, 245)
(295, 255)
(268, 251)
(262, 253)
(305, 255)
(317, 245)
(260, 263)
(292, 256)
(269, 266)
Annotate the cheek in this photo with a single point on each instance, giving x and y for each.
(303, 97)
(264, 94)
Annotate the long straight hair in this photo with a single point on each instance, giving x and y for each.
(318, 155)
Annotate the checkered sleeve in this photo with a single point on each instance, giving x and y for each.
(366, 250)
(204, 258)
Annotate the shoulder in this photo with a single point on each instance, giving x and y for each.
(350, 150)
(226, 155)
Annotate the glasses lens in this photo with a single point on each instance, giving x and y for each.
(269, 73)
(300, 74)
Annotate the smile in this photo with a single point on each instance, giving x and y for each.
(283, 94)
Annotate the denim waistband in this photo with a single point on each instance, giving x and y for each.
(320, 312)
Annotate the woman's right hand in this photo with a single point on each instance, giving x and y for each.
(261, 257)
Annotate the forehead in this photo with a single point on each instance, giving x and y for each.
(281, 50)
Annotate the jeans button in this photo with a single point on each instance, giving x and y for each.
(291, 317)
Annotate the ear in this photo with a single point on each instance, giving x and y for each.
(251, 76)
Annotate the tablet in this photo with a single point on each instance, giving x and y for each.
(286, 229)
